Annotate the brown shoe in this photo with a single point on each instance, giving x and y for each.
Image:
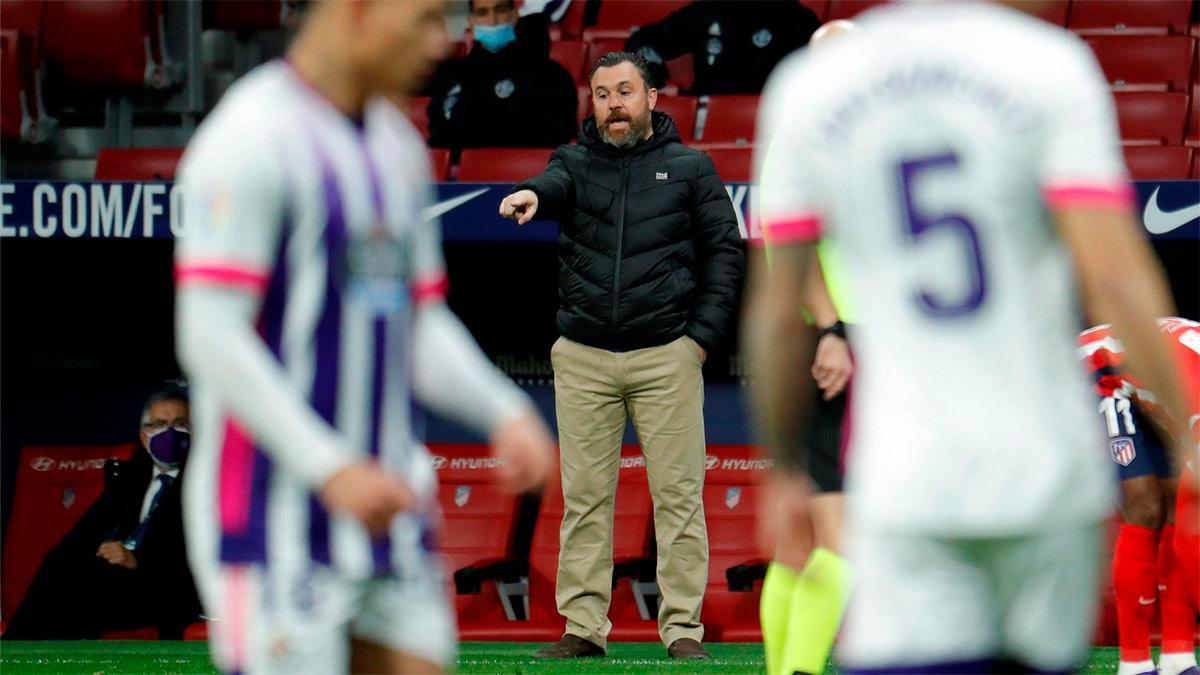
(569, 647)
(687, 648)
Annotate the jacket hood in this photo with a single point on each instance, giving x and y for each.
(662, 124)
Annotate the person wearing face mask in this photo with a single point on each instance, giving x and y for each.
(124, 564)
(650, 263)
(506, 92)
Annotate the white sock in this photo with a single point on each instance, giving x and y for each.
(1173, 663)
(1135, 667)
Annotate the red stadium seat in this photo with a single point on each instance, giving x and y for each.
(137, 163)
(848, 9)
(477, 538)
(682, 110)
(418, 114)
(735, 567)
(55, 485)
(1158, 162)
(1145, 62)
(1055, 12)
(101, 42)
(247, 15)
(14, 96)
(1095, 17)
(571, 24)
(583, 107)
(599, 47)
(1195, 172)
(819, 7)
(632, 536)
(439, 162)
(571, 55)
(1151, 117)
(625, 15)
(1192, 136)
(731, 119)
(734, 163)
(501, 165)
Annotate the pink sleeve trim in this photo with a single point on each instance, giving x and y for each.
(222, 274)
(1068, 195)
(792, 230)
(431, 289)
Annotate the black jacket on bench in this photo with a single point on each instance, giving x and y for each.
(649, 248)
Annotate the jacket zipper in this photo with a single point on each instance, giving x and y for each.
(620, 242)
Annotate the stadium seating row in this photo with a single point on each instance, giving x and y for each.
(103, 43)
(1152, 126)
(1130, 62)
(1088, 17)
(1145, 117)
(502, 550)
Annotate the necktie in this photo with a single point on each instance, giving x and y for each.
(135, 538)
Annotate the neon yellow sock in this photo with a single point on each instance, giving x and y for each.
(773, 610)
(818, 601)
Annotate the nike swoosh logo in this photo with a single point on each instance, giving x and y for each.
(1160, 222)
(450, 204)
(1143, 601)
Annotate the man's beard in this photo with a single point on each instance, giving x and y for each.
(638, 128)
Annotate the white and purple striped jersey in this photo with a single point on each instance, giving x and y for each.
(932, 145)
(306, 245)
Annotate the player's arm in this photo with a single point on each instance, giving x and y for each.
(832, 365)
(223, 266)
(454, 377)
(779, 345)
(1124, 286)
(1086, 188)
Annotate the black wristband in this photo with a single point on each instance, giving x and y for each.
(838, 328)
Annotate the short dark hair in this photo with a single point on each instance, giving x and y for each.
(616, 58)
(170, 392)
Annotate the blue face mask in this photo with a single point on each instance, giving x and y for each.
(495, 38)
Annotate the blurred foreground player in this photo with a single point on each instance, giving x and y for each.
(808, 581)
(960, 182)
(310, 294)
(1153, 558)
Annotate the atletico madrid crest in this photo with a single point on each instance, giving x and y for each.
(1123, 450)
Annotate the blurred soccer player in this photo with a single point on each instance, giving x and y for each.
(807, 583)
(963, 156)
(310, 301)
(1152, 559)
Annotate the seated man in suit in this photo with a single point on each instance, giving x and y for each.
(123, 565)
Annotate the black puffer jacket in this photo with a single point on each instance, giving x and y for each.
(649, 248)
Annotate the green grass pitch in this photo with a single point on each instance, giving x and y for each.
(500, 658)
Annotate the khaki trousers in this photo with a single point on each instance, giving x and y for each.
(662, 388)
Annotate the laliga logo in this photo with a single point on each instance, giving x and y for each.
(439, 462)
(711, 461)
(42, 464)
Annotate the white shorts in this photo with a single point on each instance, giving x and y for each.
(924, 600)
(303, 623)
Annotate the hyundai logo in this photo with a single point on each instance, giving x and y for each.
(43, 463)
(439, 462)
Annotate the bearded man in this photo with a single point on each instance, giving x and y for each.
(650, 265)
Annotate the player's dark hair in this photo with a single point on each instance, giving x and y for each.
(616, 58)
